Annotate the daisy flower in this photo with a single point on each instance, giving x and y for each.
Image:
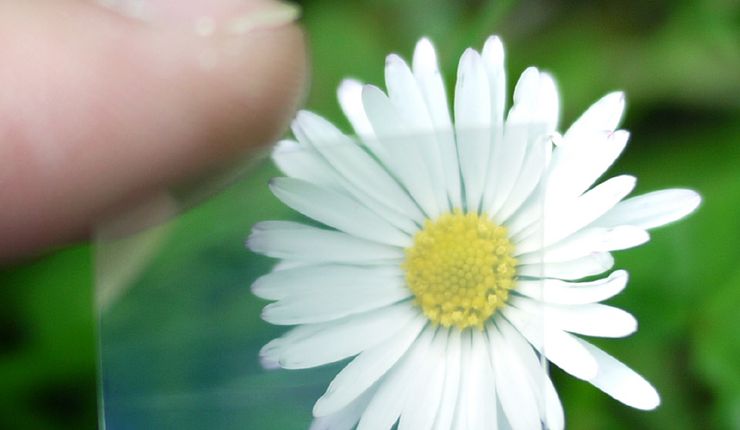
(449, 253)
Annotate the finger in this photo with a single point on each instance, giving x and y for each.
(96, 107)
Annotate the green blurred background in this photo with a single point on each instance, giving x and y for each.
(679, 63)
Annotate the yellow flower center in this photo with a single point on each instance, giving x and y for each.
(460, 268)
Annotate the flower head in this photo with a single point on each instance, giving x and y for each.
(450, 255)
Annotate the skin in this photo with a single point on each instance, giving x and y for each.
(98, 109)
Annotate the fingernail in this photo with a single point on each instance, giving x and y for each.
(279, 14)
(206, 18)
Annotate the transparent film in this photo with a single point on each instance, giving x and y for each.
(442, 231)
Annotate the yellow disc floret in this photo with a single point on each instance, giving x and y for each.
(460, 268)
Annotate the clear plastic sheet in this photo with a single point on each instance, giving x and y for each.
(179, 329)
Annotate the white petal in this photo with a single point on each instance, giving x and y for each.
(472, 125)
(592, 264)
(421, 408)
(350, 98)
(476, 405)
(563, 219)
(346, 418)
(367, 368)
(592, 320)
(536, 103)
(453, 367)
(548, 101)
(558, 346)
(303, 162)
(652, 209)
(508, 156)
(573, 293)
(526, 224)
(288, 264)
(349, 94)
(401, 222)
(406, 96)
(621, 382)
(353, 163)
(554, 416)
(268, 362)
(587, 241)
(526, 97)
(604, 115)
(337, 210)
(551, 410)
(481, 408)
(270, 353)
(502, 420)
(493, 60)
(325, 304)
(581, 160)
(288, 281)
(409, 102)
(533, 167)
(301, 280)
(401, 150)
(464, 397)
(387, 404)
(324, 343)
(298, 161)
(429, 80)
(284, 239)
(516, 396)
(589, 320)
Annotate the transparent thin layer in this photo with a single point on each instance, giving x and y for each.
(180, 330)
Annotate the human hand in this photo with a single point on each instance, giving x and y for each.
(98, 108)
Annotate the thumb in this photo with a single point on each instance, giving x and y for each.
(97, 107)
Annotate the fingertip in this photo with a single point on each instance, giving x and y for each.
(112, 109)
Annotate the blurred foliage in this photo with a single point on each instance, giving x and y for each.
(678, 61)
